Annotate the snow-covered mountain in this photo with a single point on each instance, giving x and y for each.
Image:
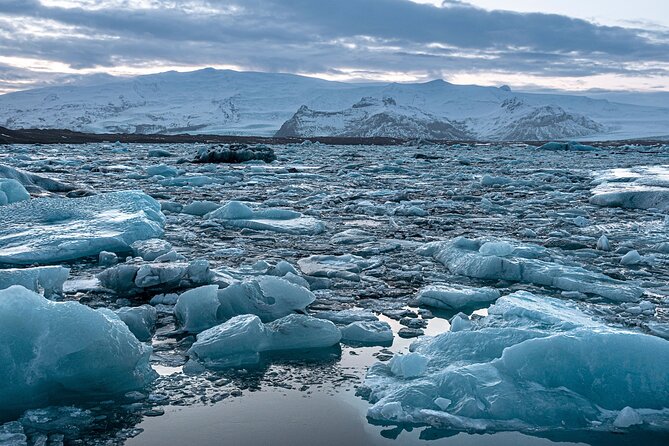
(249, 103)
(372, 117)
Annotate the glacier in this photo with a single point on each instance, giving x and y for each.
(533, 362)
(50, 230)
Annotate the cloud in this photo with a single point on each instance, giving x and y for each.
(306, 36)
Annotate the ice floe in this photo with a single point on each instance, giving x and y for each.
(50, 230)
(455, 297)
(238, 215)
(533, 363)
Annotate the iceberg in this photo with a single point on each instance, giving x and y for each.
(33, 183)
(455, 297)
(140, 320)
(51, 230)
(238, 215)
(534, 363)
(267, 297)
(240, 340)
(640, 187)
(50, 279)
(347, 266)
(63, 351)
(462, 256)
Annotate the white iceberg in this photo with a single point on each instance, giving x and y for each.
(50, 230)
(238, 215)
(62, 351)
(533, 363)
(240, 340)
(462, 256)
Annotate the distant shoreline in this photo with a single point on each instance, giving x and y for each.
(62, 136)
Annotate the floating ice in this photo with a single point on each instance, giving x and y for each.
(345, 317)
(238, 215)
(641, 187)
(63, 351)
(268, 297)
(410, 365)
(138, 278)
(12, 191)
(368, 332)
(631, 258)
(162, 170)
(455, 297)
(240, 340)
(462, 256)
(49, 230)
(35, 184)
(346, 266)
(50, 279)
(533, 363)
(574, 146)
(234, 153)
(200, 208)
(150, 249)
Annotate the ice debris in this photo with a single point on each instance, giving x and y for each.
(142, 277)
(12, 191)
(368, 332)
(345, 266)
(50, 230)
(234, 153)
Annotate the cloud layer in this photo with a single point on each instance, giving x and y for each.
(50, 41)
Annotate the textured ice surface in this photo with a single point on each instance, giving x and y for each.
(346, 266)
(268, 297)
(12, 191)
(34, 183)
(534, 362)
(140, 320)
(238, 215)
(49, 230)
(240, 340)
(455, 297)
(462, 256)
(49, 279)
(59, 351)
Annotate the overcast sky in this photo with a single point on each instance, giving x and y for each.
(551, 44)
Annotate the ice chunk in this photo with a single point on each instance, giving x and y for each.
(346, 266)
(162, 170)
(631, 258)
(240, 340)
(567, 369)
(462, 256)
(200, 208)
(627, 417)
(196, 309)
(12, 434)
(268, 297)
(455, 297)
(138, 278)
(107, 258)
(640, 187)
(368, 332)
(574, 146)
(33, 183)
(603, 243)
(47, 278)
(352, 237)
(12, 191)
(140, 320)
(496, 249)
(63, 351)
(150, 249)
(299, 331)
(238, 215)
(50, 230)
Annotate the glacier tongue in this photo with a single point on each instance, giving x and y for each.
(50, 230)
(533, 363)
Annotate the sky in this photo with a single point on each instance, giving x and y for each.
(571, 45)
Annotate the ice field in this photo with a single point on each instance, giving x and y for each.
(415, 294)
